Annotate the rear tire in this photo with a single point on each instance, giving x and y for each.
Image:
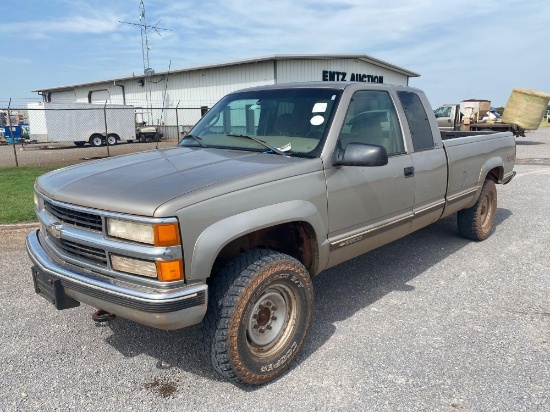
(112, 139)
(259, 313)
(477, 222)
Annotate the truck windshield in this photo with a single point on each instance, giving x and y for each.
(283, 121)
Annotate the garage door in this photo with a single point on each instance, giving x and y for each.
(100, 96)
(65, 96)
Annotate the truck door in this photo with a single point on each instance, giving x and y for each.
(370, 206)
(429, 161)
(445, 117)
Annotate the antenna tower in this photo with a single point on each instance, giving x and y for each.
(145, 29)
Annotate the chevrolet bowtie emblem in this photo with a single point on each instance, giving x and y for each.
(55, 229)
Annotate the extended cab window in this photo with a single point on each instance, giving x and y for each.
(418, 121)
(372, 119)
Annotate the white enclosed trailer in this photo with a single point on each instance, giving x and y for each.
(81, 123)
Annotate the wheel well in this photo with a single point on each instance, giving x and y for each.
(496, 174)
(296, 239)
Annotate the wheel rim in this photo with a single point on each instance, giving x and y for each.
(271, 321)
(97, 141)
(486, 211)
(111, 140)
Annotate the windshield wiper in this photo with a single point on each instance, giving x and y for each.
(196, 138)
(264, 144)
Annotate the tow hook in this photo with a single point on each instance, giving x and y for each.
(101, 317)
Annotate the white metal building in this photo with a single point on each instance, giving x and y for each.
(205, 85)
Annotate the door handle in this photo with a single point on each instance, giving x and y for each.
(409, 171)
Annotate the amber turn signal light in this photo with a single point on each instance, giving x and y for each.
(170, 270)
(167, 234)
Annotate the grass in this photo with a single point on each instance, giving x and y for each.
(544, 123)
(16, 193)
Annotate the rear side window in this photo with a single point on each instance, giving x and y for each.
(418, 121)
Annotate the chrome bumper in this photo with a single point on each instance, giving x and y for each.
(164, 309)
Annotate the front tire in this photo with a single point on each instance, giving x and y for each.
(259, 313)
(96, 140)
(477, 222)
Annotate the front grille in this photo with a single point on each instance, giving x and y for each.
(82, 252)
(74, 217)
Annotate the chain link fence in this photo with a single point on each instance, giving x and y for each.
(50, 134)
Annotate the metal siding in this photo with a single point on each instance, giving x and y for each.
(204, 87)
(312, 70)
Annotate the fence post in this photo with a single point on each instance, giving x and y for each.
(177, 122)
(106, 131)
(12, 135)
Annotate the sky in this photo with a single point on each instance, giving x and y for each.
(462, 50)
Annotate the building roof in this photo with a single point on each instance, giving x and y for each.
(274, 57)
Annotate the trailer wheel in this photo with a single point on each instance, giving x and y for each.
(259, 313)
(112, 139)
(477, 222)
(96, 140)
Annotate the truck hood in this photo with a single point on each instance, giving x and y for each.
(140, 183)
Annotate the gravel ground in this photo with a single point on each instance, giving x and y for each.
(430, 322)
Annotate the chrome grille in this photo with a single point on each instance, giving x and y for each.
(82, 252)
(74, 217)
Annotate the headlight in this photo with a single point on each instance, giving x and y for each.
(158, 234)
(135, 266)
(35, 200)
(163, 270)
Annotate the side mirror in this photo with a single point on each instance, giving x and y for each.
(359, 154)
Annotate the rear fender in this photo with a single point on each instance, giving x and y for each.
(495, 163)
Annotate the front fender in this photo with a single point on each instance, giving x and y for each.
(213, 239)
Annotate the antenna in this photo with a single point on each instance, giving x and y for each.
(145, 29)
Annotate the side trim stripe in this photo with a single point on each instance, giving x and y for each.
(370, 233)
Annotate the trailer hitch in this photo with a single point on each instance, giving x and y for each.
(102, 317)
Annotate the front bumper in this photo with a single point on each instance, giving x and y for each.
(164, 309)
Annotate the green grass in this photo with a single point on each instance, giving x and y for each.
(544, 123)
(16, 193)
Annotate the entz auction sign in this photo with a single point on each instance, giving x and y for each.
(334, 76)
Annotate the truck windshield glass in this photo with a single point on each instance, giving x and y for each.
(289, 121)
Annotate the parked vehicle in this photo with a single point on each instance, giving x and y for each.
(13, 134)
(272, 186)
(473, 115)
(81, 123)
(144, 131)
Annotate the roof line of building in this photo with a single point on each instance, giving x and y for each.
(363, 57)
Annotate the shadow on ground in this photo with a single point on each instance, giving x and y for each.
(339, 293)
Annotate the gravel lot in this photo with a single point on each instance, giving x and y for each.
(430, 322)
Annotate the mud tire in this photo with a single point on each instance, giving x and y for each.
(260, 289)
(477, 222)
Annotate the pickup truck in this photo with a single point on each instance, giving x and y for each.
(272, 186)
(450, 118)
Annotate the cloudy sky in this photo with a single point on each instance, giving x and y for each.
(466, 49)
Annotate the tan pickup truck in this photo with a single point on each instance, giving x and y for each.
(271, 187)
